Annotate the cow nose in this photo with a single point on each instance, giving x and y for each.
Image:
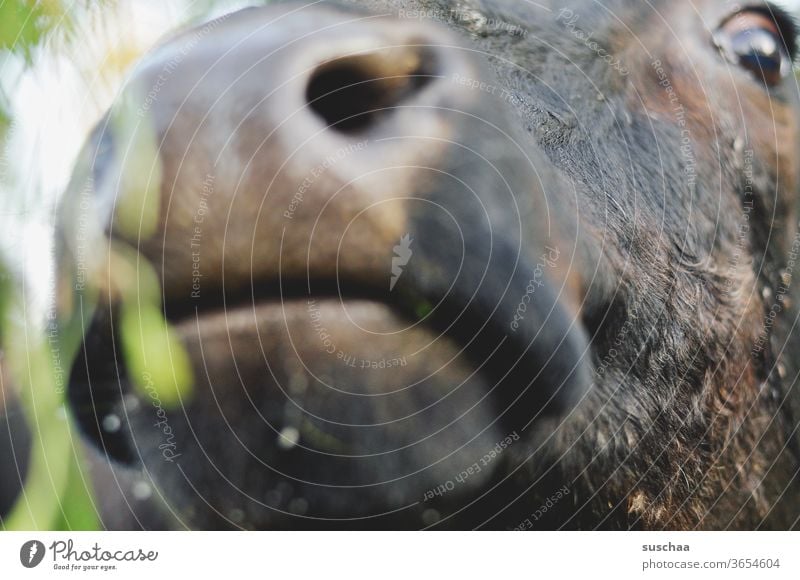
(367, 132)
(352, 93)
(331, 154)
(338, 127)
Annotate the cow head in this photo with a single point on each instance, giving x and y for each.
(439, 263)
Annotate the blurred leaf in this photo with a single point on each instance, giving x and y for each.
(154, 355)
(156, 359)
(39, 506)
(139, 197)
(55, 494)
(79, 511)
(23, 23)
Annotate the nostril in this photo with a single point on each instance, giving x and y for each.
(350, 93)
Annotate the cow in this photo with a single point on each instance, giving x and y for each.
(446, 264)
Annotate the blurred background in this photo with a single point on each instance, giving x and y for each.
(61, 64)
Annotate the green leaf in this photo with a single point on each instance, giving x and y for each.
(139, 199)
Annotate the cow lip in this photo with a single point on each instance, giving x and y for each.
(450, 320)
(237, 298)
(497, 355)
(448, 317)
(458, 318)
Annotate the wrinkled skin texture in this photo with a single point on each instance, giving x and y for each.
(639, 378)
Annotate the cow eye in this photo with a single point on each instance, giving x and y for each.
(759, 41)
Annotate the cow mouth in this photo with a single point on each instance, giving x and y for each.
(350, 400)
(363, 400)
(340, 333)
(396, 326)
(361, 396)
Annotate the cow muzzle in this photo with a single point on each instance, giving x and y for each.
(361, 257)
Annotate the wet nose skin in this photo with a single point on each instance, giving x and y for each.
(337, 186)
(301, 144)
(327, 118)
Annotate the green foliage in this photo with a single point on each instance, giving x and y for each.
(55, 495)
(156, 360)
(24, 23)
